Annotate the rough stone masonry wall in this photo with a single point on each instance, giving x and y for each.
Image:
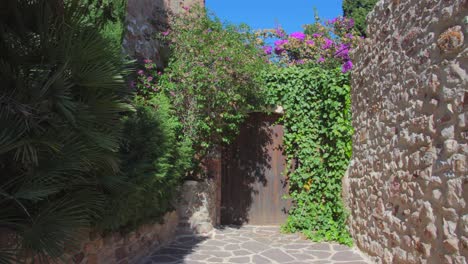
(408, 180)
(197, 206)
(123, 249)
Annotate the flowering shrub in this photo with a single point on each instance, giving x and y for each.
(147, 80)
(327, 44)
(212, 78)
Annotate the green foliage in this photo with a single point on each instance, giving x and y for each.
(318, 132)
(108, 15)
(103, 11)
(358, 10)
(153, 163)
(60, 108)
(212, 77)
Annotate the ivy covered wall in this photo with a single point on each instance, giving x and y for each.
(317, 136)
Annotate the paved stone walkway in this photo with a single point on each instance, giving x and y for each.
(252, 244)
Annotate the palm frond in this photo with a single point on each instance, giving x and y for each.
(61, 101)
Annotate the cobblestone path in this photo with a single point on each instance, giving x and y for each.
(252, 244)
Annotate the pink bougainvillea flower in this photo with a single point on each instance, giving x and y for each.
(166, 33)
(328, 43)
(298, 35)
(333, 21)
(150, 79)
(281, 42)
(148, 61)
(279, 32)
(310, 42)
(186, 8)
(278, 50)
(343, 51)
(350, 23)
(316, 35)
(279, 46)
(267, 50)
(347, 66)
(140, 72)
(322, 59)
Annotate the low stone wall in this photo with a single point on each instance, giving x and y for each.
(407, 186)
(130, 248)
(197, 208)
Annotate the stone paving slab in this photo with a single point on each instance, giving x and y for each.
(252, 245)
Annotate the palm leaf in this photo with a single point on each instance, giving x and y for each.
(60, 110)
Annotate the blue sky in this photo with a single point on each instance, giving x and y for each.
(260, 14)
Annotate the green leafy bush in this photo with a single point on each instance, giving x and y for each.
(108, 15)
(153, 163)
(60, 108)
(212, 77)
(317, 137)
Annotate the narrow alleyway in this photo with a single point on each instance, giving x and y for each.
(252, 244)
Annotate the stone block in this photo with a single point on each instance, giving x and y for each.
(451, 40)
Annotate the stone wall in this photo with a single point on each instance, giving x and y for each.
(128, 248)
(144, 19)
(199, 201)
(407, 185)
(113, 248)
(197, 208)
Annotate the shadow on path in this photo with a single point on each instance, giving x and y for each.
(253, 245)
(177, 251)
(253, 183)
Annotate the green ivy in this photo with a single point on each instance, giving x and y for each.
(318, 132)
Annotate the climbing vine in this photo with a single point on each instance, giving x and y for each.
(318, 131)
(311, 83)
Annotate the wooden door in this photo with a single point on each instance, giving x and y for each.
(253, 180)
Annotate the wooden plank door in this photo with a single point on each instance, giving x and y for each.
(253, 183)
